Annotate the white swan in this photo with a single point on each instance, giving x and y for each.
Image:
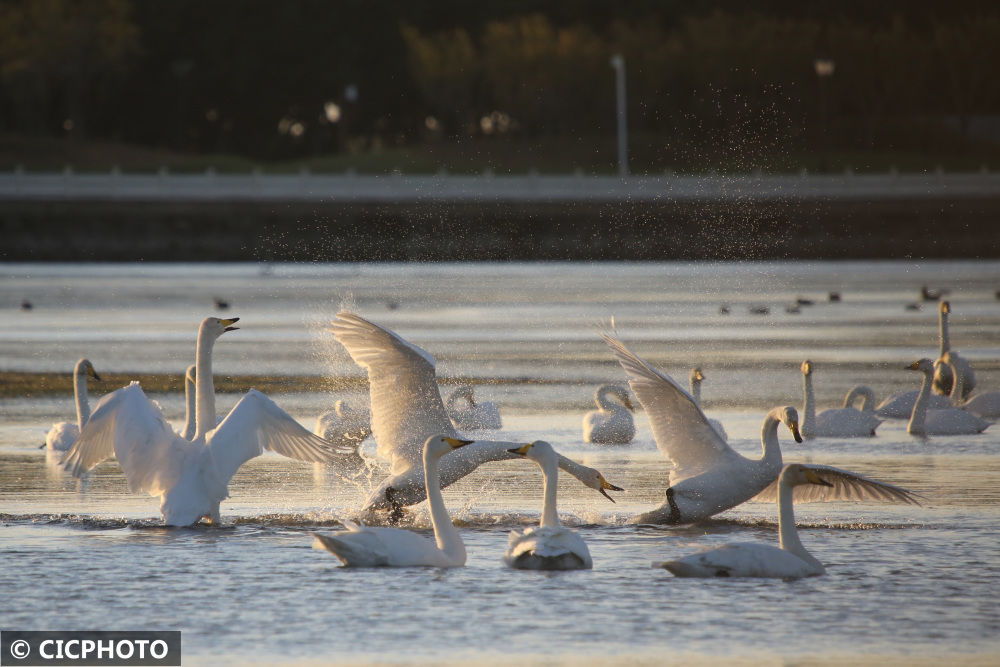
(708, 476)
(62, 435)
(695, 380)
(189, 477)
(190, 402)
(944, 375)
(611, 423)
(950, 421)
(985, 405)
(846, 422)
(344, 426)
(900, 404)
(472, 415)
(407, 409)
(549, 546)
(361, 546)
(747, 559)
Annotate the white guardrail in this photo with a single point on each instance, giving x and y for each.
(334, 188)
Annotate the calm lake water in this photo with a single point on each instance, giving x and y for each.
(904, 583)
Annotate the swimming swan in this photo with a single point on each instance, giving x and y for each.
(62, 435)
(846, 422)
(361, 546)
(949, 421)
(944, 375)
(344, 426)
(472, 415)
(748, 559)
(407, 409)
(611, 423)
(900, 404)
(695, 381)
(190, 477)
(708, 476)
(549, 546)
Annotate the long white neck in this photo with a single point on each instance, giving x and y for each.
(919, 414)
(80, 393)
(696, 391)
(550, 474)
(205, 385)
(958, 385)
(943, 327)
(809, 409)
(190, 408)
(786, 525)
(448, 539)
(769, 439)
(867, 398)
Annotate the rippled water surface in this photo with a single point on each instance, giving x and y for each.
(903, 582)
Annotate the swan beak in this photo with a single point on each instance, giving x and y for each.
(94, 375)
(605, 484)
(794, 428)
(915, 366)
(228, 324)
(816, 479)
(522, 450)
(456, 443)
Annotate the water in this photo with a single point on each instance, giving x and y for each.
(904, 583)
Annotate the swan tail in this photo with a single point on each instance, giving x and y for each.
(350, 552)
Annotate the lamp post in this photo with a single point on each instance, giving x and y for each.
(824, 70)
(618, 63)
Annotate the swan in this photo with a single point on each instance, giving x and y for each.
(748, 559)
(950, 421)
(189, 477)
(695, 381)
(943, 374)
(472, 415)
(62, 435)
(985, 405)
(407, 409)
(900, 404)
(845, 422)
(611, 423)
(190, 402)
(361, 546)
(708, 476)
(344, 426)
(550, 546)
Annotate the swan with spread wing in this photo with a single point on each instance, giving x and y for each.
(190, 477)
(407, 409)
(709, 476)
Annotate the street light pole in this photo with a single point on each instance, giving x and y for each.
(618, 62)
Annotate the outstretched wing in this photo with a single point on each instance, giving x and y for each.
(680, 428)
(406, 403)
(846, 485)
(256, 424)
(130, 426)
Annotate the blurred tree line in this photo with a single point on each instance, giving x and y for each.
(718, 81)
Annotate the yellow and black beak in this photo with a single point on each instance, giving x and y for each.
(794, 428)
(456, 443)
(608, 486)
(522, 450)
(228, 324)
(816, 479)
(915, 366)
(94, 374)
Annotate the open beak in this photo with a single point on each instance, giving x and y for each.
(794, 428)
(608, 486)
(522, 450)
(228, 324)
(456, 443)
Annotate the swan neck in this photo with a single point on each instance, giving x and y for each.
(80, 394)
(943, 329)
(602, 400)
(769, 439)
(447, 537)
(204, 384)
(919, 414)
(190, 408)
(550, 475)
(957, 386)
(867, 399)
(789, 535)
(696, 392)
(809, 408)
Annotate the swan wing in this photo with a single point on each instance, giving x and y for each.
(130, 426)
(846, 485)
(681, 430)
(405, 401)
(256, 424)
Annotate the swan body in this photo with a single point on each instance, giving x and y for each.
(472, 415)
(949, 421)
(846, 422)
(361, 546)
(344, 426)
(190, 477)
(900, 404)
(944, 375)
(549, 546)
(407, 409)
(611, 423)
(709, 476)
(695, 382)
(743, 559)
(62, 435)
(986, 405)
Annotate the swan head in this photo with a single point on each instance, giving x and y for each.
(191, 374)
(807, 367)
(923, 365)
(697, 375)
(796, 474)
(539, 450)
(790, 418)
(84, 367)
(944, 308)
(216, 327)
(439, 445)
(620, 393)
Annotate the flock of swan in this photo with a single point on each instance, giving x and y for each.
(418, 432)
